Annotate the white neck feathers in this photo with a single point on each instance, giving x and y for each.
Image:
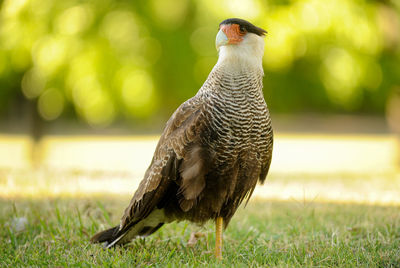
(247, 55)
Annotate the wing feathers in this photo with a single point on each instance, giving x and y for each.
(265, 168)
(192, 172)
(175, 160)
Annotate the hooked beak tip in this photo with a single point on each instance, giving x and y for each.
(221, 39)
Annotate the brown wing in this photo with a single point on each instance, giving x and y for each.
(176, 155)
(267, 164)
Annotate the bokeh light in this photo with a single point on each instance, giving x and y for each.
(341, 75)
(117, 60)
(169, 14)
(32, 83)
(74, 20)
(138, 93)
(51, 104)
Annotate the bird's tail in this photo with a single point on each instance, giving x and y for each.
(107, 236)
(113, 236)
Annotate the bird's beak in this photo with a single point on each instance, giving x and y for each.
(221, 39)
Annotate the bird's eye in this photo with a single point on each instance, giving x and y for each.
(242, 29)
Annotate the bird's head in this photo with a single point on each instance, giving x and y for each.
(238, 39)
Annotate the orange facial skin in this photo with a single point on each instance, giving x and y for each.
(232, 31)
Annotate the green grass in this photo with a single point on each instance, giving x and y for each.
(265, 233)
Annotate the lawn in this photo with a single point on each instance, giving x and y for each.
(265, 233)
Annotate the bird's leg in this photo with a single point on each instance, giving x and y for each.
(218, 237)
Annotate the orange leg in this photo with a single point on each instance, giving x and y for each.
(218, 237)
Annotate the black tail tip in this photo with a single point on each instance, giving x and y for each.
(105, 236)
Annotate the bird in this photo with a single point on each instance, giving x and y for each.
(214, 149)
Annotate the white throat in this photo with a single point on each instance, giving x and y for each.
(247, 55)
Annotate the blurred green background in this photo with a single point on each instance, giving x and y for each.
(103, 61)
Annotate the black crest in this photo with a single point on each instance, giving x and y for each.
(245, 26)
